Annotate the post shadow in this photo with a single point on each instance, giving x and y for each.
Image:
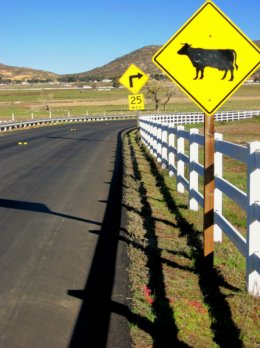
(225, 332)
(164, 330)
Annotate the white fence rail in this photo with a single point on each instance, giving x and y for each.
(198, 117)
(165, 141)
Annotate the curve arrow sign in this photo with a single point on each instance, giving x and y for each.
(132, 77)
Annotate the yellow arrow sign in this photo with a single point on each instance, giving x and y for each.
(133, 79)
(209, 57)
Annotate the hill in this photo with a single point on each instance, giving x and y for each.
(13, 73)
(141, 57)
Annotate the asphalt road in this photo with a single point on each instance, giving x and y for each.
(62, 262)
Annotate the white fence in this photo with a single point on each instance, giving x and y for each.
(198, 117)
(166, 142)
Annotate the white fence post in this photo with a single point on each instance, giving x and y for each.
(180, 163)
(159, 141)
(144, 124)
(150, 136)
(218, 196)
(193, 175)
(171, 148)
(164, 146)
(253, 221)
(155, 140)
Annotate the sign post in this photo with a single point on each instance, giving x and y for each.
(209, 186)
(209, 58)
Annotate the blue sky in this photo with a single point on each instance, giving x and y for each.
(78, 35)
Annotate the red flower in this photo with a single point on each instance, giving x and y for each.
(147, 294)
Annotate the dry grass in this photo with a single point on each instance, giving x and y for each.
(176, 302)
(21, 102)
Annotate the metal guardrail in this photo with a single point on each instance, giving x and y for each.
(8, 126)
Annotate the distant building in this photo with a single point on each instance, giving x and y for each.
(104, 88)
(84, 86)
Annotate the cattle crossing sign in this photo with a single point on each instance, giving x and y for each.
(209, 57)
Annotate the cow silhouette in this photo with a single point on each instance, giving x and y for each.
(221, 59)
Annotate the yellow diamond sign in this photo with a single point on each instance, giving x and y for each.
(133, 79)
(209, 57)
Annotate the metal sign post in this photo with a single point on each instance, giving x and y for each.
(209, 185)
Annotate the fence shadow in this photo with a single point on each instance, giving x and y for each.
(92, 327)
(163, 330)
(225, 332)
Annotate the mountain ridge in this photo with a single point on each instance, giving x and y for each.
(15, 73)
(142, 57)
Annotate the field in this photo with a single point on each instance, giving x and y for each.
(20, 103)
(175, 301)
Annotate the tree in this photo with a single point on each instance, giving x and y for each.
(115, 82)
(159, 93)
(152, 91)
(168, 94)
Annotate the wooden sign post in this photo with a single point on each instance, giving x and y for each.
(209, 185)
(209, 39)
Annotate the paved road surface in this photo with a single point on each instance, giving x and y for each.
(59, 238)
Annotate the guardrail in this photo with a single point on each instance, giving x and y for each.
(7, 126)
(166, 143)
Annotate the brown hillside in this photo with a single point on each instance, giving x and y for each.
(22, 74)
(141, 57)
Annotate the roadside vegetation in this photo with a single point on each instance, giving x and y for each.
(175, 301)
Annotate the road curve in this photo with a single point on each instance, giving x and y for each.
(62, 264)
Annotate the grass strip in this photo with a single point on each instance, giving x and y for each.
(175, 301)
